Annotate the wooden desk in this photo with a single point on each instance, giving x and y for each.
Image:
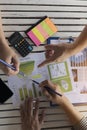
(18, 15)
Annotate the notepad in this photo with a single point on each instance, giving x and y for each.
(41, 31)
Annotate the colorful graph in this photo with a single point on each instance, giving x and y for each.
(25, 92)
(27, 67)
(80, 59)
(59, 74)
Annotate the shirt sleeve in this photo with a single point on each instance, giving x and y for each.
(82, 125)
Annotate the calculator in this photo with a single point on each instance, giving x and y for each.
(20, 44)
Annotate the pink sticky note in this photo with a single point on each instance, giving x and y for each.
(33, 38)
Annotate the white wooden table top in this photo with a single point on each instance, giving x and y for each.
(17, 15)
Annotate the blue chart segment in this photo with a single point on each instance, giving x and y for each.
(80, 59)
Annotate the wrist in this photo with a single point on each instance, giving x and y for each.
(3, 42)
(70, 110)
(71, 49)
(4, 47)
(64, 101)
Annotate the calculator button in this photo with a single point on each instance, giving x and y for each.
(29, 47)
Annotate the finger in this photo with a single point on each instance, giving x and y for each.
(47, 94)
(41, 119)
(36, 110)
(30, 107)
(47, 83)
(50, 47)
(7, 71)
(22, 113)
(49, 53)
(47, 61)
(15, 63)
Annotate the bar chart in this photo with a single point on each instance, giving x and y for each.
(25, 92)
(80, 59)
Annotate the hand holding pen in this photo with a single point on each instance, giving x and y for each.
(54, 93)
(10, 57)
(50, 90)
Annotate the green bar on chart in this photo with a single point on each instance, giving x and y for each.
(25, 92)
(40, 94)
(21, 94)
(34, 90)
(30, 93)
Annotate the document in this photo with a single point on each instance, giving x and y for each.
(71, 75)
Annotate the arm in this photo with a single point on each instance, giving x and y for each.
(81, 42)
(71, 112)
(61, 52)
(7, 54)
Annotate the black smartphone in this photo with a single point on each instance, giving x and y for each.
(5, 92)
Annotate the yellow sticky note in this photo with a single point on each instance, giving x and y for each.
(38, 34)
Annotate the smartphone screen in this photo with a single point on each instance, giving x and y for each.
(5, 92)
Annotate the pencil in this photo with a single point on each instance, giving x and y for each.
(48, 89)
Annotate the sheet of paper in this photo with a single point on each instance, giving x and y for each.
(60, 74)
(78, 66)
(71, 75)
(23, 87)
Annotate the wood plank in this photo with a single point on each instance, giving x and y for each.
(46, 124)
(47, 118)
(10, 127)
(41, 14)
(45, 2)
(60, 28)
(43, 8)
(18, 127)
(68, 22)
(59, 128)
(59, 34)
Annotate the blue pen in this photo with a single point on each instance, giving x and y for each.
(48, 89)
(10, 66)
(21, 73)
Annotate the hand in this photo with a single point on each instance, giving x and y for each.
(9, 56)
(52, 97)
(29, 115)
(57, 53)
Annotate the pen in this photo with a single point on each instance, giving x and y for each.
(48, 89)
(21, 73)
(10, 66)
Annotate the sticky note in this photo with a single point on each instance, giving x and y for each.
(38, 34)
(41, 31)
(34, 38)
(52, 26)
